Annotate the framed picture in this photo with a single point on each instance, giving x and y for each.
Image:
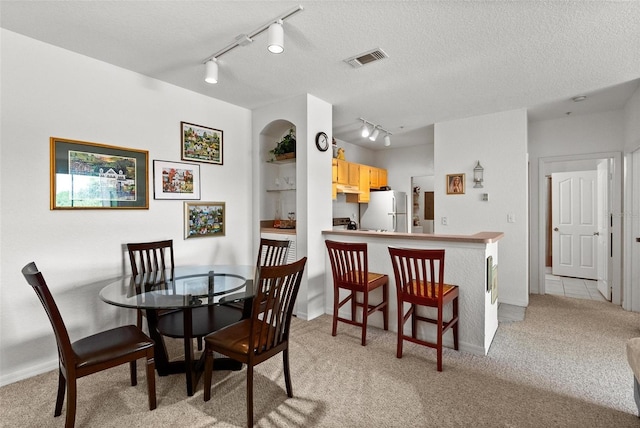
(455, 184)
(494, 285)
(96, 176)
(203, 219)
(201, 144)
(489, 272)
(175, 180)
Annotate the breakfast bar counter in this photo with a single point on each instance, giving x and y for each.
(466, 265)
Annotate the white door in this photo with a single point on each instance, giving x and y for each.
(573, 216)
(603, 221)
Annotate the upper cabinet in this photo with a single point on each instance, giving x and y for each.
(365, 177)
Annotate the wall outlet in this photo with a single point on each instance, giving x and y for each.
(511, 218)
(445, 222)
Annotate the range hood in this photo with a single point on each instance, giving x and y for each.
(347, 188)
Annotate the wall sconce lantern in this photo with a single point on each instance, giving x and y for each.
(478, 174)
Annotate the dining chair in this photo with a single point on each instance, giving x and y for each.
(91, 354)
(419, 276)
(148, 257)
(265, 333)
(350, 270)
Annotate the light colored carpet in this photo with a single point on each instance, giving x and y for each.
(563, 366)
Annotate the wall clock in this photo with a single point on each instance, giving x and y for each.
(322, 141)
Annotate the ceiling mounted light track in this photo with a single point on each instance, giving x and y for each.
(275, 44)
(374, 132)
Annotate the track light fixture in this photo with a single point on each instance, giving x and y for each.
(375, 131)
(275, 43)
(276, 37)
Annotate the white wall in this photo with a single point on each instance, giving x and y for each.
(48, 91)
(569, 137)
(499, 142)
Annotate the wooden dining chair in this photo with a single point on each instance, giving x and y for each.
(419, 276)
(350, 270)
(91, 354)
(265, 333)
(149, 257)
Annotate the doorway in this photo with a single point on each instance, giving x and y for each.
(609, 254)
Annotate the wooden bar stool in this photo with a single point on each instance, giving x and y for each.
(419, 276)
(350, 268)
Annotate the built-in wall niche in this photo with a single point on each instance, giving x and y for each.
(278, 178)
(422, 205)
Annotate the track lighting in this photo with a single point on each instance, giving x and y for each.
(275, 43)
(374, 132)
(211, 75)
(276, 37)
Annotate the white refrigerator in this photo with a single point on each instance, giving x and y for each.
(386, 211)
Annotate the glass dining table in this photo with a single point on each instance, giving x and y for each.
(208, 297)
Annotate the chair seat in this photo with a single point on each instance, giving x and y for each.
(374, 280)
(420, 289)
(109, 345)
(205, 319)
(234, 338)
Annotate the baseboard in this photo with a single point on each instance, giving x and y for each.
(28, 372)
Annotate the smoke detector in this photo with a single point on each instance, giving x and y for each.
(366, 58)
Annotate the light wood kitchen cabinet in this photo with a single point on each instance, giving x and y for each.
(373, 177)
(365, 177)
(354, 174)
(342, 172)
(363, 186)
(382, 177)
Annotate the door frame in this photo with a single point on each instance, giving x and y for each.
(615, 197)
(631, 301)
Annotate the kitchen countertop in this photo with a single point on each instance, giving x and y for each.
(480, 237)
(277, 230)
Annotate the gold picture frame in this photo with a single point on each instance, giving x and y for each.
(202, 219)
(87, 175)
(455, 184)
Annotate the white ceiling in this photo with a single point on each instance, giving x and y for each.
(447, 59)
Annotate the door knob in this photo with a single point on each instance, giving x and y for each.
(596, 233)
(555, 229)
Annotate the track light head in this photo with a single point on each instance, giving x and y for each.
(276, 37)
(374, 135)
(211, 71)
(365, 130)
(387, 140)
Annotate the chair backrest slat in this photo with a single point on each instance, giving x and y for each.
(276, 291)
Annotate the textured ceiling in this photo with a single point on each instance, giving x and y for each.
(447, 59)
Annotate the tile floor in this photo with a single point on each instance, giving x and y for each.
(572, 287)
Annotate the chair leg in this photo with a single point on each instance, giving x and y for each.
(151, 380)
(199, 340)
(71, 404)
(208, 372)
(62, 384)
(455, 326)
(287, 374)
(439, 340)
(249, 395)
(365, 316)
(336, 297)
(133, 373)
(139, 318)
(414, 322)
(400, 328)
(385, 310)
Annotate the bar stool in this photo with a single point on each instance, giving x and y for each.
(419, 276)
(349, 265)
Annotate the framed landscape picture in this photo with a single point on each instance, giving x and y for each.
(204, 219)
(88, 175)
(175, 180)
(201, 144)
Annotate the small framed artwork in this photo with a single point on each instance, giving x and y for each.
(455, 184)
(489, 273)
(204, 219)
(201, 144)
(175, 180)
(88, 175)
(494, 285)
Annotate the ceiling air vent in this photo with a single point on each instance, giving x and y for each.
(366, 58)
